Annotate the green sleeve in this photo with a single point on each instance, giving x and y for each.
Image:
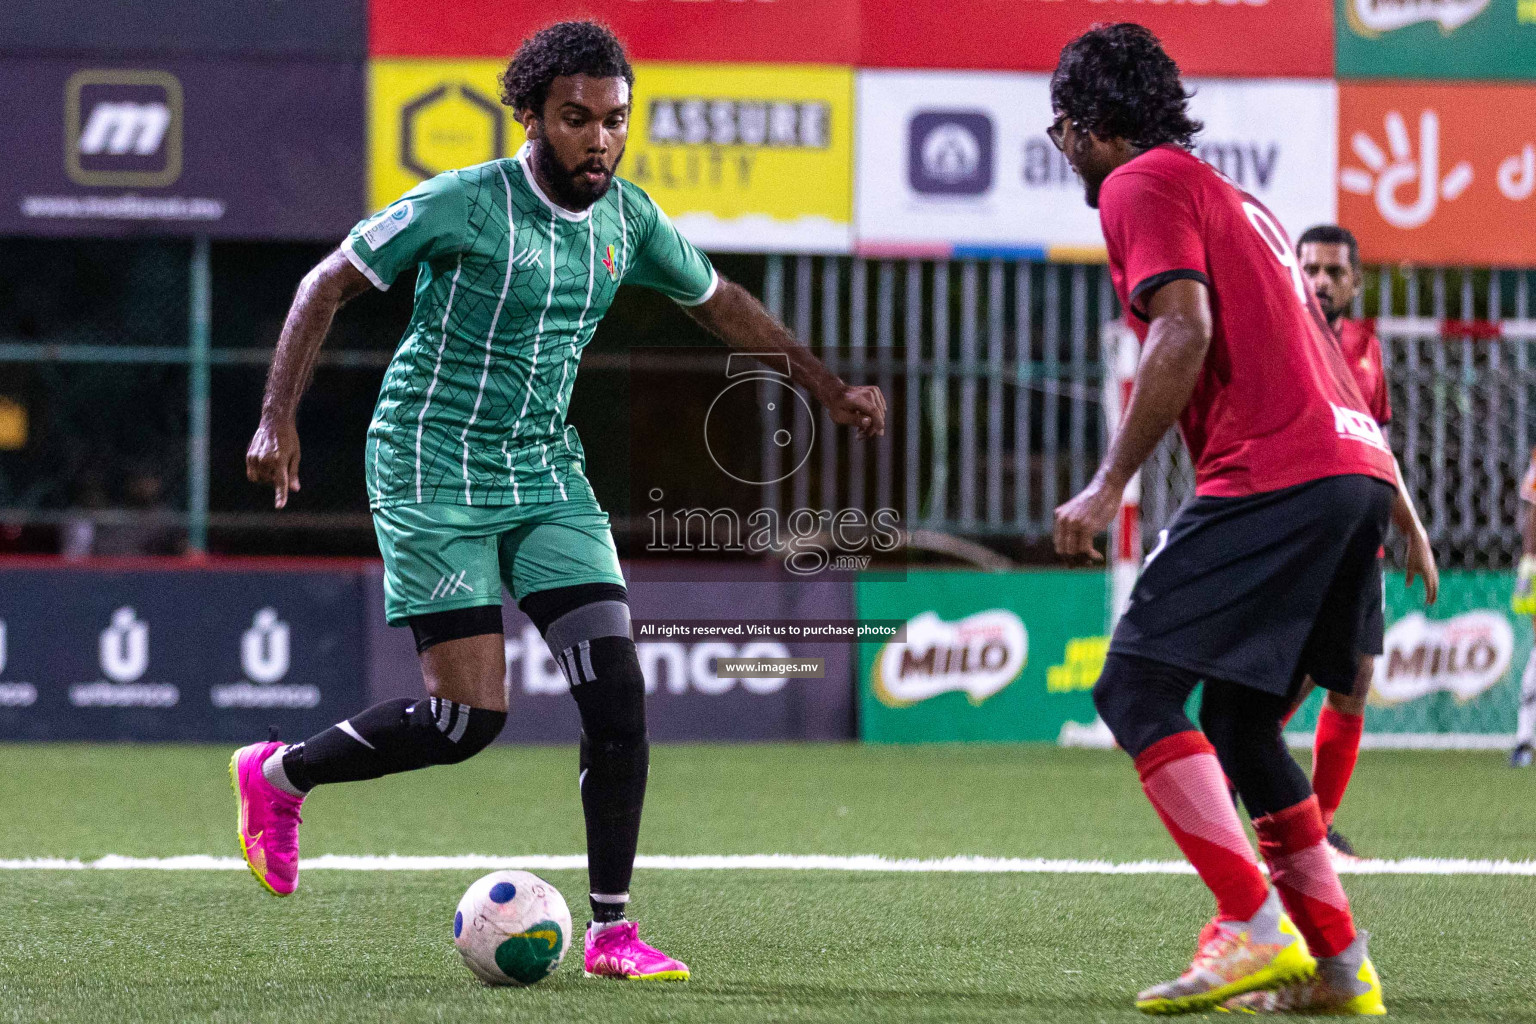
(425, 224)
(662, 258)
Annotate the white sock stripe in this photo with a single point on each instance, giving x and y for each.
(346, 727)
(459, 726)
(612, 898)
(589, 673)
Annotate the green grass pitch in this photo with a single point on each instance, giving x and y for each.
(154, 946)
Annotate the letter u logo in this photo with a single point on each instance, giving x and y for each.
(264, 648)
(124, 647)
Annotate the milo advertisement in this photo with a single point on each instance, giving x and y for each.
(1449, 675)
(987, 656)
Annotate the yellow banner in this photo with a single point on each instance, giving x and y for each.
(744, 157)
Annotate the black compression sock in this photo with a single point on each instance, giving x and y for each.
(395, 736)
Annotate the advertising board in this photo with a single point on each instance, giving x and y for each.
(685, 30)
(685, 698)
(1449, 675)
(959, 162)
(987, 656)
(743, 158)
(90, 654)
(1232, 38)
(1236, 38)
(1466, 39)
(1439, 173)
(227, 148)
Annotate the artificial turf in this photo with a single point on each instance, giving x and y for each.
(764, 946)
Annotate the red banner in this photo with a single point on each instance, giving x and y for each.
(1232, 38)
(733, 31)
(1439, 173)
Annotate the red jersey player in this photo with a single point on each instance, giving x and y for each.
(1330, 261)
(1268, 574)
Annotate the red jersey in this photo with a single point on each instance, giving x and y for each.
(1362, 352)
(1275, 405)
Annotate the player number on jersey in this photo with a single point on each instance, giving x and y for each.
(1274, 238)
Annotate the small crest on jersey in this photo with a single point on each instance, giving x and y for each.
(389, 223)
(609, 264)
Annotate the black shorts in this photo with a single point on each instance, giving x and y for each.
(1263, 589)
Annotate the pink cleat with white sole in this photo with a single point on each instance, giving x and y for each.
(269, 821)
(617, 952)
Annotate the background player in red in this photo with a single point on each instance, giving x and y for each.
(1330, 260)
(1269, 573)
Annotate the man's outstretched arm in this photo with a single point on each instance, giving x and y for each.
(738, 319)
(1171, 360)
(273, 456)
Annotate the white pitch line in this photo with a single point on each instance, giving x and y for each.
(756, 862)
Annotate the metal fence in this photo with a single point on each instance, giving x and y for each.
(1459, 349)
(993, 370)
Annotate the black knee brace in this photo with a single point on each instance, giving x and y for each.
(395, 736)
(587, 630)
(1243, 724)
(1142, 701)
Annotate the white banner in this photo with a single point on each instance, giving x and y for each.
(960, 162)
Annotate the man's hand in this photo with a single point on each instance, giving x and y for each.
(273, 457)
(1421, 562)
(738, 319)
(862, 406)
(1086, 516)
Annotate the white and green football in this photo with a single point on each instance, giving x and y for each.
(512, 928)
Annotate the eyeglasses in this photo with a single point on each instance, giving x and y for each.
(1058, 132)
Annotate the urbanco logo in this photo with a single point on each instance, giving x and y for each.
(978, 656)
(123, 653)
(1388, 172)
(671, 667)
(13, 695)
(264, 653)
(124, 647)
(266, 657)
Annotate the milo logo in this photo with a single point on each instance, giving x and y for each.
(977, 656)
(1464, 656)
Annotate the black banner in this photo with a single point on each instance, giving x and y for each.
(215, 655)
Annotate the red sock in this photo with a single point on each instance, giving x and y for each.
(1333, 757)
(1182, 779)
(1293, 845)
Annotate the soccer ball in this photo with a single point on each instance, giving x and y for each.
(512, 928)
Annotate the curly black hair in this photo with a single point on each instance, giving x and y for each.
(1117, 82)
(565, 48)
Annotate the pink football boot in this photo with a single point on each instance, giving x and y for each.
(269, 821)
(617, 952)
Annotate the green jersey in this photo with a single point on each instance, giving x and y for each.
(509, 290)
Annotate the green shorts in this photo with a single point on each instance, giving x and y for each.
(441, 557)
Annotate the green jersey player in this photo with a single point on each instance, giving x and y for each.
(474, 478)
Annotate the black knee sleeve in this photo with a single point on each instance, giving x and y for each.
(395, 736)
(611, 701)
(1142, 701)
(1244, 724)
(587, 630)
